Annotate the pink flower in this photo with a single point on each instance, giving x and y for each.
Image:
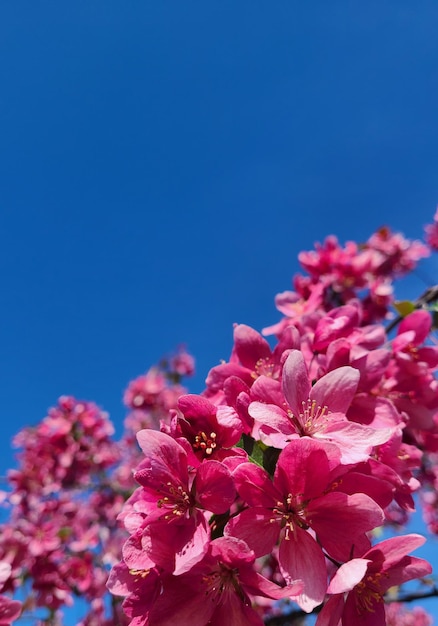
(217, 590)
(211, 431)
(359, 585)
(317, 412)
(174, 532)
(295, 501)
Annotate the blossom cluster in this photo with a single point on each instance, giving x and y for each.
(265, 492)
(62, 535)
(272, 482)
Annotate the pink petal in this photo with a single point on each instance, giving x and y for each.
(9, 610)
(295, 381)
(390, 551)
(331, 612)
(272, 416)
(302, 468)
(214, 487)
(182, 603)
(354, 441)
(348, 576)
(254, 486)
(254, 527)
(250, 346)
(336, 389)
(354, 613)
(340, 521)
(165, 462)
(301, 558)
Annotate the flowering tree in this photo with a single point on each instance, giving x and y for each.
(279, 491)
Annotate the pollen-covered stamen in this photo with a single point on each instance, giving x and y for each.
(139, 573)
(263, 367)
(204, 442)
(177, 501)
(368, 593)
(312, 418)
(290, 513)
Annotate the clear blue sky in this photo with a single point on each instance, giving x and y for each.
(162, 164)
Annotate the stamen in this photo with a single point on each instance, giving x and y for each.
(205, 443)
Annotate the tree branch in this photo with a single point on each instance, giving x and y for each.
(297, 617)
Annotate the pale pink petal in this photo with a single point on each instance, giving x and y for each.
(165, 462)
(5, 572)
(348, 576)
(418, 321)
(272, 416)
(267, 390)
(354, 441)
(336, 389)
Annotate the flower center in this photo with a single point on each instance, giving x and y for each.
(221, 580)
(368, 593)
(291, 513)
(313, 418)
(205, 443)
(263, 367)
(177, 502)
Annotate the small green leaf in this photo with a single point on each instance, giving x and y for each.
(257, 453)
(404, 307)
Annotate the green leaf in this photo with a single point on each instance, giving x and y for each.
(257, 453)
(404, 307)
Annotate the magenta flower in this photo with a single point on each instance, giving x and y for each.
(295, 501)
(359, 585)
(317, 412)
(211, 430)
(217, 590)
(174, 531)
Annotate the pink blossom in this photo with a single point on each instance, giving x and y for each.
(175, 533)
(295, 501)
(317, 411)
(218, 590)
(358, 586)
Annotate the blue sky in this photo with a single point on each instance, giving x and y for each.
(163, 163)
